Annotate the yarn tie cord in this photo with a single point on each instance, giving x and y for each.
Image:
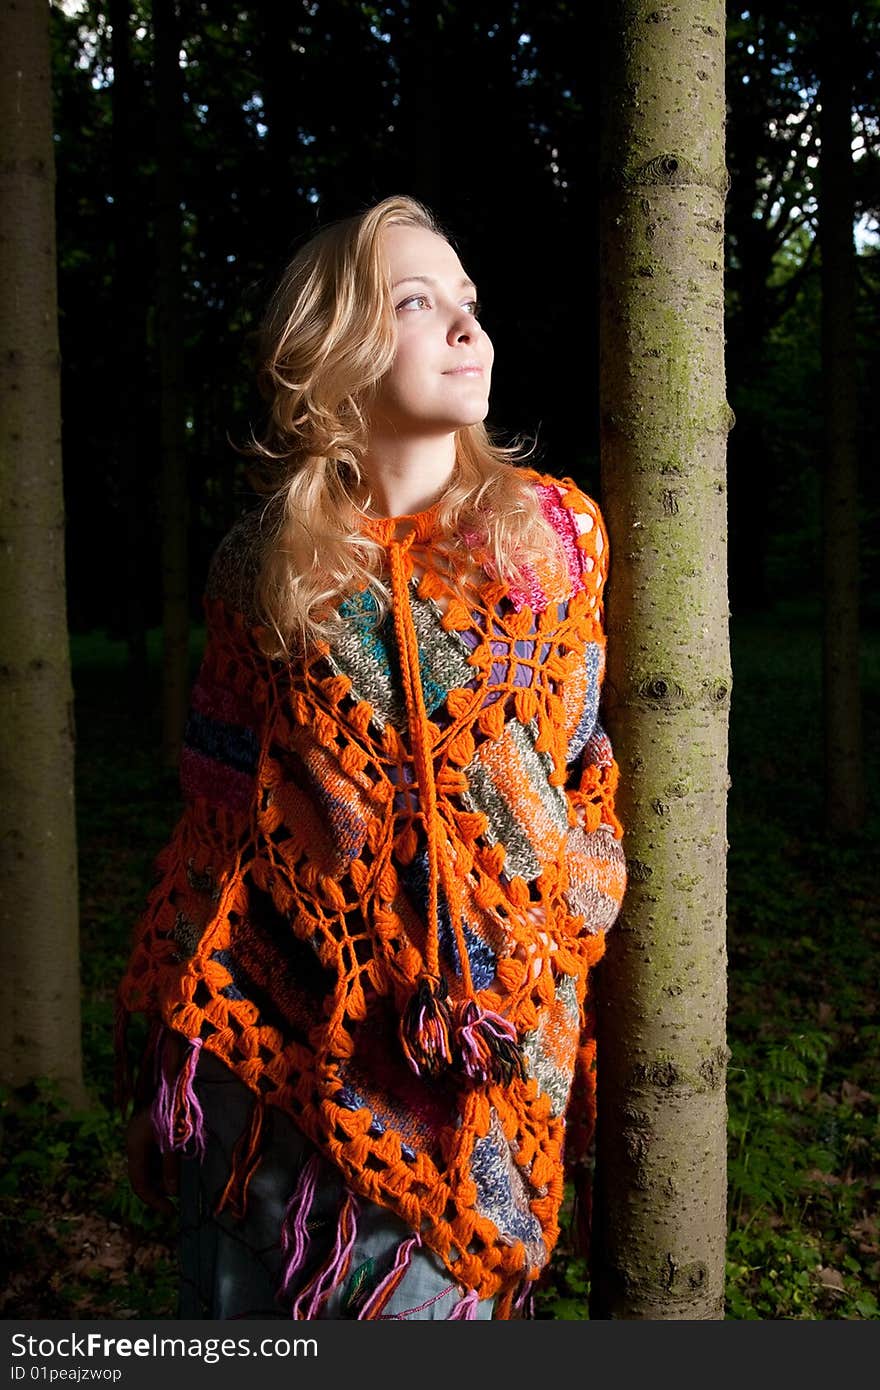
(482, 1041)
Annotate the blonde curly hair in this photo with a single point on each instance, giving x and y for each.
(327, 338)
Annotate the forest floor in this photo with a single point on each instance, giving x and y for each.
(804, 1076)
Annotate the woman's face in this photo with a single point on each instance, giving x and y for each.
(440, 377)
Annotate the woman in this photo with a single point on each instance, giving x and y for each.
(366, 958)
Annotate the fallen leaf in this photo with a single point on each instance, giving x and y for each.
(854, 1095)
(867, 1226)
(829, 1179)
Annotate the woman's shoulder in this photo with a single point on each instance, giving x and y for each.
(234, 565)
(575, 516)
(563, 494)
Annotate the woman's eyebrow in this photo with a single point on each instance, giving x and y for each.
(429, 280)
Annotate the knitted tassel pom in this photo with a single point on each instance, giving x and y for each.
(489, 1045)
(426, 1028)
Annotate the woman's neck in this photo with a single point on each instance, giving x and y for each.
(406, 480)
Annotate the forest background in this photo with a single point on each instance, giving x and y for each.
(282, 118)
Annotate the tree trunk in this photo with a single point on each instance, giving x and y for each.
(844, 753)
(416, 38)
(660, 1196)
(128, 353)
(39, 981)
(174, 502)
(281, 112)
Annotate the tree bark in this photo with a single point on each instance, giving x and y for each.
(129, 347)
(844, 751)
(281, 112)
(660, 1196)
(39, 981)
(174, 500)
(417, 37)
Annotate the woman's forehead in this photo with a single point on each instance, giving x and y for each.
(417, 252)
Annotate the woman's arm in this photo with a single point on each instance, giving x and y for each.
(218, 763)
(595, 857)
(154, 1176)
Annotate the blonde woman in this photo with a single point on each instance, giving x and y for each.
(367, 957)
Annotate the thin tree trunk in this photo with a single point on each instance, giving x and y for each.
(417, 37)
(39, 981)
(660, 1197)
(844, 751)
(128, 343)
(281, 79)
(174, 502)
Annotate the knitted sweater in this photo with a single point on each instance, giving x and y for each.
(396, 864)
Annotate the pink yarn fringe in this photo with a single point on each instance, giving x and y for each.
(177, 1116)
(476, 1038)
(294, 1233)
(318, 1290)
(465, 1308)
(525, 1299)
(401, 1262)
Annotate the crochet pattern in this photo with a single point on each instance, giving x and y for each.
(396, 866)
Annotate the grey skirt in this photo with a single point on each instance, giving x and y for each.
(235, 1268)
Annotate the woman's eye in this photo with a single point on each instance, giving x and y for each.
(475, 305)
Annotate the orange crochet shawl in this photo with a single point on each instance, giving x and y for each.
(395, 867)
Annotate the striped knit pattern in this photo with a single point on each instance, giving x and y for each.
(290, 920)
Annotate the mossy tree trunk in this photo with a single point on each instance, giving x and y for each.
(39, 945)
(174, 500)
(660, 1195)
(844, 752)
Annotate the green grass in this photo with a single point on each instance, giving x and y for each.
(803, 1232)
(804, 1238)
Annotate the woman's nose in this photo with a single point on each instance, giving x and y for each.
(464, 327)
